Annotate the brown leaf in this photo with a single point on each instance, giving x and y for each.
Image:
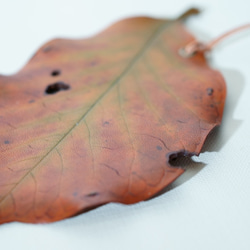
(92, 121)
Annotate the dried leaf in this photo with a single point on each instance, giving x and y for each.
(92, 121)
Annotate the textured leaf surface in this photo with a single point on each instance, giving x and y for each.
(92, 121)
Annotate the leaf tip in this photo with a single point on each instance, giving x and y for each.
(189, 12)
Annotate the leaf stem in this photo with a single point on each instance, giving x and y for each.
(196, 46)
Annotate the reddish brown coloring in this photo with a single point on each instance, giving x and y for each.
(92, 121)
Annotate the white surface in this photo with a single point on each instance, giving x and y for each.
(208, 207)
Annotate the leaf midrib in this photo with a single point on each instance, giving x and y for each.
(156, 33)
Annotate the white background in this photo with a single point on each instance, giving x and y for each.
(209, 206)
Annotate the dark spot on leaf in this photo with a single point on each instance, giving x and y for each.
(93, 194)
(180, 121)
(55, 73)
(55, 87)
(6, 142)
(105, 123)
(47, 49)
(210, 91)
(93, 63)
(159, 147)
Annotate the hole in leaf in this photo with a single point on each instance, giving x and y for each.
(55, 87)
(55, 73)
(180, 159)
